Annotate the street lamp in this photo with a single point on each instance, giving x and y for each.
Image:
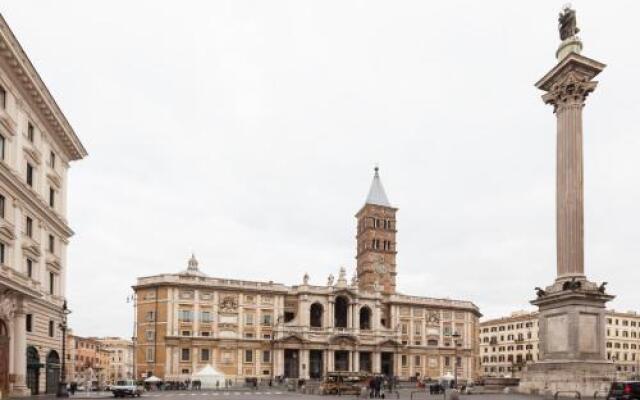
(455, 337)
(62, 386)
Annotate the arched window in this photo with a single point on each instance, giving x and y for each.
(340, 312)
(315, 315)
(365, 318)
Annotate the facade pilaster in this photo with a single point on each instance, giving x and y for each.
(19, 353)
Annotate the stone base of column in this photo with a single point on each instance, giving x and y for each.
(19, 390)
(547, 378)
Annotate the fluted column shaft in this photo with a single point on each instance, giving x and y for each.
(569, 190)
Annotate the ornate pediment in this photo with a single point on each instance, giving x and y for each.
(7, 123)
(343, 340)
(33, 154)
(292, 338)
(389, 343)
(31, 249)
(55, 179)
(6, 233)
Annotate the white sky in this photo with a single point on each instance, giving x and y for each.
(247, 131)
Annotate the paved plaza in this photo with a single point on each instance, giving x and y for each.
(277, 394)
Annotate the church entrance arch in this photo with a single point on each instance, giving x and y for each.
(386, 363)
(291, 363)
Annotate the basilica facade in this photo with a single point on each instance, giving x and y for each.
(254, 329)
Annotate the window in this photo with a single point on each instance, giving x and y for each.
(417, 361)
(29, 268)
(186, 333)
(52, 280)
(205, 333)
(150, 316)
(29, 174)
(150, 335)
(150, 354)
(248, 319)
(30, 132)
(29, 321)
(205, 316)
(2, 146)
(3, 98)
(185, 355)
(52, 244)
(52, 159)
(52, 197)
(185, 315)
(266, 319)
(29, 227)
(248, 356)
(204, 354)
(266, 356)
(404, 360)
(51, 328)
(1, 253)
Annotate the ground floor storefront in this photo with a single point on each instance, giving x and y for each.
(29, 365)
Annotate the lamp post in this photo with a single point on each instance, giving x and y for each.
(455, 337)
(62, 386)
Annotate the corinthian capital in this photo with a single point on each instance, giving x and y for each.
(570, 91)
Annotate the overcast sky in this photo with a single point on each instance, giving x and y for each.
(247, 131)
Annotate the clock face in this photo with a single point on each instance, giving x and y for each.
(380, 268)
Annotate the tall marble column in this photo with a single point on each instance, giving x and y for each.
(567, 92)
(571, 318)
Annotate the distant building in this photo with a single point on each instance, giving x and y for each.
(37, 145)
(88, 361)
(121, 358)
(508, 344)
(265, 329)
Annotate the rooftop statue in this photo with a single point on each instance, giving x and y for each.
(567, 24)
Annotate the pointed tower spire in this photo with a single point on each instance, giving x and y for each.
(377, 194)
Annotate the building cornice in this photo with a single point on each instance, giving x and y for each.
(30, 82)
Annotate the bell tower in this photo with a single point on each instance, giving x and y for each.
(376, 240)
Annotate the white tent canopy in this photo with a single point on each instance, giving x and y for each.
(153, 379)
(209, 378)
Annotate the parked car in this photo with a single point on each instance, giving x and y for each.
(625, 390)
(127, 387)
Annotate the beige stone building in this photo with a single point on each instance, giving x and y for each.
(265, 329)
(88, 361)
(508, 344)
(37, 145)
(120, 357)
